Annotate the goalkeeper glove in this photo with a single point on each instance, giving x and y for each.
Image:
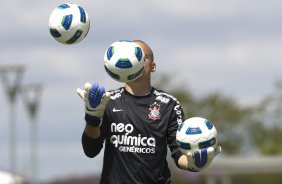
(201, 159)
(95, 99)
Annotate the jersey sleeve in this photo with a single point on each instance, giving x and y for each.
(92, 147)
(177, 116)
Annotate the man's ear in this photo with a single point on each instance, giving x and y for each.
(154, 67)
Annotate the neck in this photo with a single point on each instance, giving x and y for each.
(138, 89)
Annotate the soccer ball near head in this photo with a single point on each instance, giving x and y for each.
(124, 61)
(196, 133)
(69, 23)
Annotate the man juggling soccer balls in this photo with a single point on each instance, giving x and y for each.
(136, 123)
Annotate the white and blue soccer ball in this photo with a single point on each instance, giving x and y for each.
(69, 23)
(196, 133)
(124, 61)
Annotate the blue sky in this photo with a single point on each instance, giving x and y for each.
(229, 46)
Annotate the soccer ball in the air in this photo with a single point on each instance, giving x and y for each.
(69, 23)
(196, 133)
(124, 61)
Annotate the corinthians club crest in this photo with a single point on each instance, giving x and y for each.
(154, 111)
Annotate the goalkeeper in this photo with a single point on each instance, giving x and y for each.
(138, 123)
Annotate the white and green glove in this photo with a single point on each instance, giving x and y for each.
(201, 159)
(95, 99)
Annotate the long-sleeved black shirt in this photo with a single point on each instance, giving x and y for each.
(137, 131)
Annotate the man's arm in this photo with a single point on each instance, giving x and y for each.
(92, 143)
(92, 132)
(95, 99)
(93, 138)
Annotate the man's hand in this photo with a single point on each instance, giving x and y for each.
(95, 99)
(201, 159)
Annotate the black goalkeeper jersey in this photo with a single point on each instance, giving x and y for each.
(137, 131)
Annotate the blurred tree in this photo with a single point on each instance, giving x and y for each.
(229, 118)
(267, 136)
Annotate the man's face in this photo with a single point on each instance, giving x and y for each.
(149, 65)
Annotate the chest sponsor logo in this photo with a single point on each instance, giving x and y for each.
(154, 113)
(123, 138)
